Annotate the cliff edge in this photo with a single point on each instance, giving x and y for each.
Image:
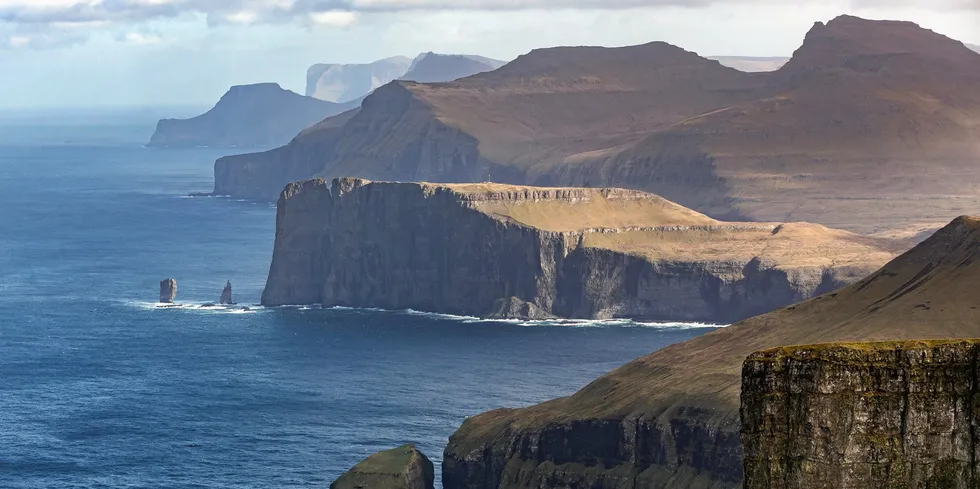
(497, 250)
(671, 419)
(862, 416)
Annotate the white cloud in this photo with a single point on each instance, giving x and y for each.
(336, 18)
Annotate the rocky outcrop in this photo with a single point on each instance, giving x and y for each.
(528, 252)
(862, 416)
(226, 294)
(264, 114)
(872, 113)
(400, 468)
(168, 291)
(671, 418)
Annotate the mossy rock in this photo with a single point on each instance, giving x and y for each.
(401, 468)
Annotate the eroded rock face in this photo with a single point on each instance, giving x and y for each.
(872, 415)
(168, 291)
(400, 468)
(533, 253)
(226, 294)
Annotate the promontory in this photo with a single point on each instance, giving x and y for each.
(497, 250)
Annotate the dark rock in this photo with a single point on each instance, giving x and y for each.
(168, 291)
(862, 416)
(226, 294)
(401, 468)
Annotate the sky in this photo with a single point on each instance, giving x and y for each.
(136, 53)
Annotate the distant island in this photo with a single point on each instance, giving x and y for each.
(506, 251)
(264, 114)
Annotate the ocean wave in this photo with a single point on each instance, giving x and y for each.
(574, 323)
(199, 307)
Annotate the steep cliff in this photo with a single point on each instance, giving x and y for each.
(247, 116)
(884, 115)
(400, 468)
(671, 419)
(864, 415)
(501, 250)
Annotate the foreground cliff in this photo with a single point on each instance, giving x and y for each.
(671, 419)
(512, 251)
(264, 114)
(400, 468)
(863, 415)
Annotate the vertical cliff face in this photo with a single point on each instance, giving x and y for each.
(871, 415)
(510, 251)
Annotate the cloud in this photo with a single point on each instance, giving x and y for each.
(49, 20)
(341, 11)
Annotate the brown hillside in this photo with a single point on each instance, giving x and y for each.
(871, 126)
(682, 402)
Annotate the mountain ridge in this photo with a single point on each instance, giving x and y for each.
(724, 142)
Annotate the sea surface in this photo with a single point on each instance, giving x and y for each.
(102, 388)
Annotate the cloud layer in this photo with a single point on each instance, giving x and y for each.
(46, 23)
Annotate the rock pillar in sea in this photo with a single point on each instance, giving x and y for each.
(226, 294)
(892, 415)
(401, 468)
(168, 291)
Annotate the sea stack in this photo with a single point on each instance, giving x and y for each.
(401, 468)
(168, 291)
(226, 294)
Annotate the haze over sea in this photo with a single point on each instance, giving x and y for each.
(101, 388)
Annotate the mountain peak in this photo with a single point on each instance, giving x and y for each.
(867, 45)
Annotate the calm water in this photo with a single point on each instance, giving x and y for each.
(100, 388)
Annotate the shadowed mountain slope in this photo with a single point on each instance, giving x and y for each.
(875, 116)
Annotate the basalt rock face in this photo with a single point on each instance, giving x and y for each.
(168, 291)
(528, 252)
(400, 468)
(671, 419)
(862, 416)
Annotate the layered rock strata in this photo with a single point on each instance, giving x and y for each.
(862, 416)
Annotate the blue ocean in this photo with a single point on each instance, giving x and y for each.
(101, 388)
